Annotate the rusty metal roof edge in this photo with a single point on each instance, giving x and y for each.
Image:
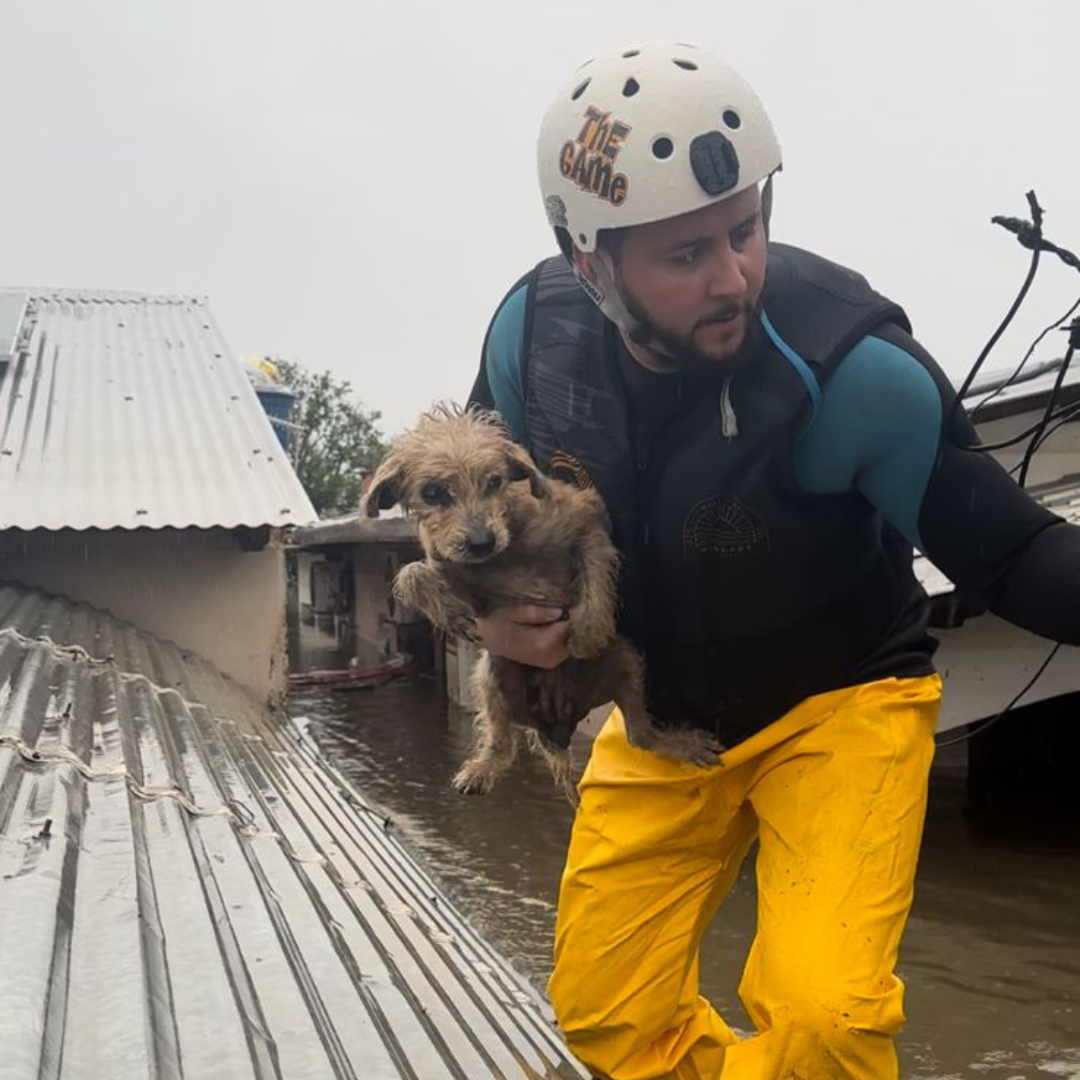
(354, 529)
(75, 293)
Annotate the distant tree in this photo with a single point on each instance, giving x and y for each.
(338, 441)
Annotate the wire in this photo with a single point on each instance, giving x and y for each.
(1005, 444)
(1030, 236)
(988, 347)
(1048, 415)
(983, 725)
(1065, 416)
(972, 413)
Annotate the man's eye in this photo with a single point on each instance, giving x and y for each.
(684, 258)
(435, 494)
(742, 236)
(494, 482)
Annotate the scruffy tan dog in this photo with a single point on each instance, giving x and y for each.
(490, 539)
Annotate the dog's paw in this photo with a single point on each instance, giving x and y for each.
(473, 779)
(692, 745)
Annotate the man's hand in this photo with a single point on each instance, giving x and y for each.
(527, 634)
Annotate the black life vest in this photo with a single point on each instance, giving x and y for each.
(745, 593)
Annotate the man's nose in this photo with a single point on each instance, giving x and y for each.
(727, 273)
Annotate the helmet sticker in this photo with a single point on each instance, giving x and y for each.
(556, 211)
(589, 159)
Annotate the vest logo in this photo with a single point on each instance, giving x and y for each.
(589, 160)
(723, 526)
(567, 468)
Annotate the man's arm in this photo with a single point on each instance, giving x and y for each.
(499, 384)
(882, 430)
(528, 634)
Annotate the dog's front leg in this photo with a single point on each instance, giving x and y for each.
(592, 615)
(418, 585)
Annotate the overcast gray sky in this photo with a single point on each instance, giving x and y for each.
(352, 184)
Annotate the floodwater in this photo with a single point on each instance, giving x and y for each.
(991, 957)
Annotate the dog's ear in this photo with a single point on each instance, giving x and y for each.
(521, 467)
(385, 490)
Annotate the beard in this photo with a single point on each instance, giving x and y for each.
(681, 348)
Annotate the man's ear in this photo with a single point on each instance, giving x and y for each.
(520, 467)
(766, 203)
(385, 490)
(583, 264)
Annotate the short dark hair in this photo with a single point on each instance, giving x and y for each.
(611, 240)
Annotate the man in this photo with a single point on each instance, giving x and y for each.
(770, 443)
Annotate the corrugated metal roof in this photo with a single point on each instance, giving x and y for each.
(120, 410)
(11, 317)
(187, 890)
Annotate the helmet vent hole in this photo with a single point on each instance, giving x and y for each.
(663, 148)
(686, 65)
(631, 52)
(630, 87)
(580, 89)
(732, 119)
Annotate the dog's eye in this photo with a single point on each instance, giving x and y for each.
(435, 494)
(494, 482)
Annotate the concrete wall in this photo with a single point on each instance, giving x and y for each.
(194, 587)
(304, 560)
(380, 624)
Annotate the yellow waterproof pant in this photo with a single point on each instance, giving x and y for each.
(835, 792)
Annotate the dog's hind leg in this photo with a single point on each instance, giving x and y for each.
(495, 747)
(558, 761)
(624, 667)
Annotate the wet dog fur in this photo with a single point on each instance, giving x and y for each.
(495, 531)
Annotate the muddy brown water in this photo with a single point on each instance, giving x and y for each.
(991, 957)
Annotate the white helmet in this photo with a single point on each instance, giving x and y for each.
(649, 133)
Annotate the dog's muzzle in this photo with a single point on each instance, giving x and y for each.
(479, 543)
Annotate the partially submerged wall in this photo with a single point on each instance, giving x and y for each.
(383, 628)
(196, 587)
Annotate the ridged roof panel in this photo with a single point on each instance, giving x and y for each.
(119, 410)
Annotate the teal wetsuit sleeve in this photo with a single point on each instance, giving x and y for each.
(504, 362)
(877, 431)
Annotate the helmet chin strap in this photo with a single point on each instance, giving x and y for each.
(604, 292)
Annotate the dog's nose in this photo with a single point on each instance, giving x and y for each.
(480, 542)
